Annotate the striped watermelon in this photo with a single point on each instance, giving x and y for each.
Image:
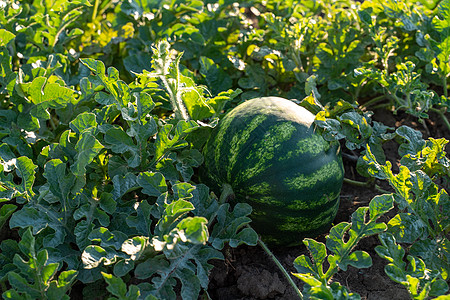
(267, 150)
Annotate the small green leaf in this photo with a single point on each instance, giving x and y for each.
(5, 212)
(183, 190)
(95, 66)
(317, 250)
(195, 229)
(5, 37)
(231, 227)
(164, 143)
(142, 221)
(123, 184)
(94, 256)
(38, 220)
(26, 170)
(49, 270)
(380, 205)
(83, 122)
(438, 287)
(21, 284)
(357, 259)
(218, 80)
(152, 183)
(304, 265)
(116, 286)
(173, 212)
(106, 238)
(60, 182)
(119, 142)
(407, 227)
(87, 149)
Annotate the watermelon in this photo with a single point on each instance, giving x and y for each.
(269, 152)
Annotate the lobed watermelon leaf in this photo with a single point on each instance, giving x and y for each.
(420, 281)
(341, 241)
(35, 276)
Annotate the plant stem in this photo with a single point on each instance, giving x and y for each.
(227, 191)
(52, 123)
(444, 81)
(373, 101)
(94, 12)
(280, 266)
(442, 115)
(366, 184)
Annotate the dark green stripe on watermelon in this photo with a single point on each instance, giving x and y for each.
(268, 151)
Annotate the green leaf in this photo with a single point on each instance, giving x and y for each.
(87, 149)
(195, 229)
(82, 122)
(106, 238)
(205, 205)
(165, 143)
(59, 289)
(48, 271)
(317, 250)
(164, 272)
(48, 95)
(173, 212)
(25, 169)
(94, 256)
(135, 246)
(407, 227)
(119, 142)
(357, 259)
(186, 160)
(36, 272)
(5, 212)
(218, 80)
(434, 254)
(231, 227)
(119, 90)
(107, 203)
(152, 183)
(142, 221)
(123, 184)
(438, 287)
(142, 132)
(315, 287)
(442, 24)
(14, 295)
(417, 278)
(40, 220)
(116, 286)
(138, 62)
(414, 142)
(335, 242)
(390, 250)
(305, 265)
(380, 205)
(19, 283)
(95, 66)
(183, 190)
(60, 183)
(5, 37)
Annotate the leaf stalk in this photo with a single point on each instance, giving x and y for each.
(441, 113)
(368, 184)
(280, 266)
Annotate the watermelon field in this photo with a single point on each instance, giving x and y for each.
(224, 150)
